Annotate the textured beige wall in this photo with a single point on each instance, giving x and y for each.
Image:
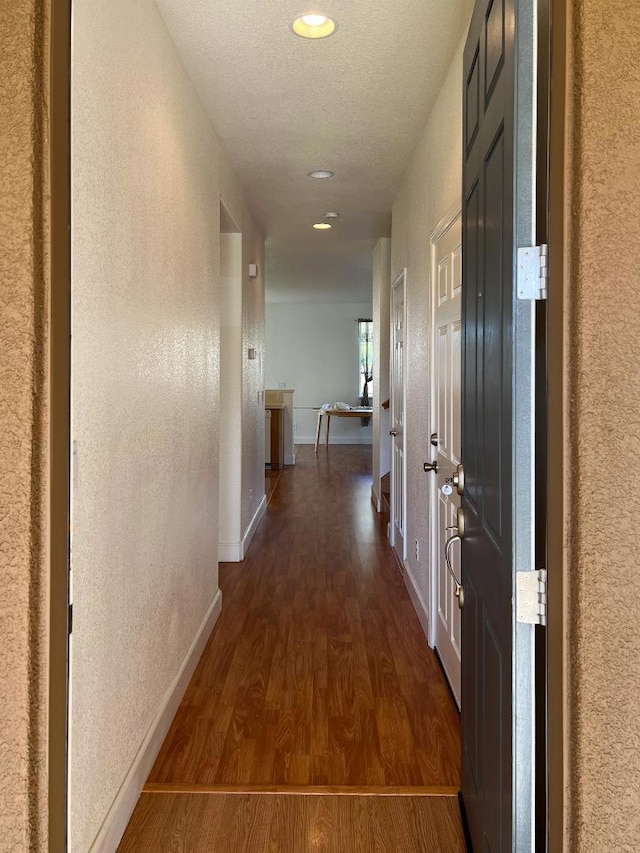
(148, 176)
(24, 227)
(432, 189)
(24, 280)
(604, 291)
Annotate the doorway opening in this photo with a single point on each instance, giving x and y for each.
(230, 546)
(398, 416)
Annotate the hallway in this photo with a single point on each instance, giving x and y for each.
(317, 680)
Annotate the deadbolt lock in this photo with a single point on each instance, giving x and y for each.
(458, 479)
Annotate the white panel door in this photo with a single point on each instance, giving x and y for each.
(446, 256)
(398, 403)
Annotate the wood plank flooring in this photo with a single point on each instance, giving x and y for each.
(264, 823)
(318, 672)
(318, 718)
(270, 482)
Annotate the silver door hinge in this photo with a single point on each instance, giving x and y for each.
(533, 272)
(531, 597)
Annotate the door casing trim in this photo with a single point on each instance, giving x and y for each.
(558, 439)
(437, 234)
(399, 281)
(59, 385)
(60, 414)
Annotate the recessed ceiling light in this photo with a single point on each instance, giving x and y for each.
(322, 226)
(313, 26)
(321, 173)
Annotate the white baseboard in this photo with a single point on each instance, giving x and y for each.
(119, 814)
(230, 552)
(234, 552)
(253, 526)
(375, 500)
(416, 599)
(335, 439)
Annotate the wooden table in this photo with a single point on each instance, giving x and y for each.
(355, 412)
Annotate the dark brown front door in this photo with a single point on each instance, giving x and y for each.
(497, 432)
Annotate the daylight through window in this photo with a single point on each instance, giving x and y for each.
(365, 346)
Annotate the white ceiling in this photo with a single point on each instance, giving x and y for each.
(355, 103)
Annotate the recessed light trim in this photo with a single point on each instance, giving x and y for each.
(313, 26)
(322, 226)
(321, 174)
(314, 20)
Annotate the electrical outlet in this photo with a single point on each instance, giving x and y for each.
(295, 426)
(250, 495)
(417, 551)
(282, 384)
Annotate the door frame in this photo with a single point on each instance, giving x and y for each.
(58, 240)
(60, 416)
(399, 281)
(439, 231)
(517, 114)
(560, 171)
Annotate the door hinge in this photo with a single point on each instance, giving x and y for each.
(531, 597)
(533, 272)
(70, 619)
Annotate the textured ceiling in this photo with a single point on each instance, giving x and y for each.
(354, 103)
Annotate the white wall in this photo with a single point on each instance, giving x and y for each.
(148, 177)
(313, 348)
(252, 378)
(242, 496)
(432, 187)
(381, 371)
(229, 521)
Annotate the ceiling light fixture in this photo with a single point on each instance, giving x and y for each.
(313, 26)
(320, 174)
(322, 226)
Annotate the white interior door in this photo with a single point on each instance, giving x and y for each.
(446, 272)
(398, 405)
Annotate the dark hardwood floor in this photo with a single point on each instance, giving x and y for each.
(318, 672)
(317, 680)
(270, 482)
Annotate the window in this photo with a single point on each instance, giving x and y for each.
(365, 350)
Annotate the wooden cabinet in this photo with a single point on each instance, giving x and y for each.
(275, 451)
(284, 397)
